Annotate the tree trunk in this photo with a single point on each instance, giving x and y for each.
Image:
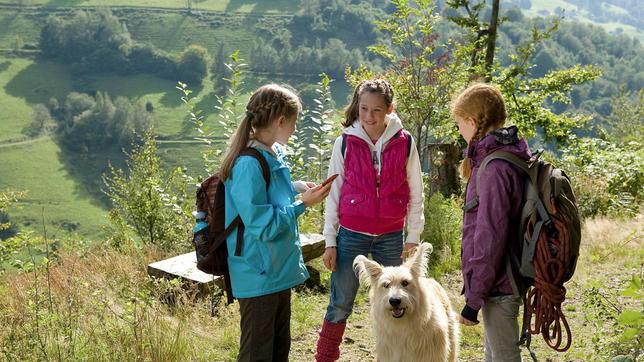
(442, 164)
(491, 39)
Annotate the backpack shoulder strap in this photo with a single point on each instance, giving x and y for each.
(266, 172)
(237, 222)
(344, 143)
(506, 156)
(409, 141)
(497, 155)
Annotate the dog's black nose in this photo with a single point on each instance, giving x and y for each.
(394, 301)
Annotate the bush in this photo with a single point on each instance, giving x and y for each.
(607, 178)
(150, 205)
(443, 229)
(193, 65)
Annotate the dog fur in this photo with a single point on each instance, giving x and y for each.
(411, 314)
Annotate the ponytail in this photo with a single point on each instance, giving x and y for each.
(238, 143)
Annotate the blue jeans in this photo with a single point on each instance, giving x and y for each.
(385, 249)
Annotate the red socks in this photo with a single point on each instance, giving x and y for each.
(328, 347)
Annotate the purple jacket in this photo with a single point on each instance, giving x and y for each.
(490, 227)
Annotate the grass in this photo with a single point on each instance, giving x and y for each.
(66, 205)
(105, 307)
(17, 28)
(173, 32)
(244, 6)
(24, 83)
(549, 6)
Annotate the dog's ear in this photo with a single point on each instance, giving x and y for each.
(366, 270)
(417, 263)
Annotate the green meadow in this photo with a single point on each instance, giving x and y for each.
(66, 205)
(67, 187)
(244, 6)
(543, 7)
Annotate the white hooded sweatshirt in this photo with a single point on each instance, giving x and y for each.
(414, 220)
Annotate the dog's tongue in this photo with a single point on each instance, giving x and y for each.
(397, 312)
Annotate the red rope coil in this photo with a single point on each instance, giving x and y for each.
(543, 302)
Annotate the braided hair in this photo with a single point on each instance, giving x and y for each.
(379, 86)
(265, 106)
(484, 104)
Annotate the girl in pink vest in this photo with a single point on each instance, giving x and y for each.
(378, 193)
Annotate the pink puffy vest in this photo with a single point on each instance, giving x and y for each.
(364, 207)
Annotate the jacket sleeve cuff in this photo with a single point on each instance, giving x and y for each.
(298, 207)
(412, 238)
(470, 313)
(329, 240)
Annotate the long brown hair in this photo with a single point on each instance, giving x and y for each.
(266, 105)
(484, 103)
(379, 86)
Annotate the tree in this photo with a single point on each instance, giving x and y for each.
(627, 118)
(193, 65)
(527, 95)
(484, 33)
(149, 204)
(424, 72)
(41, 120)
(219, 71)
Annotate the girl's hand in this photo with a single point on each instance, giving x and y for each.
(329, 257)
(310, 184)
(315, 195)
(466, 322)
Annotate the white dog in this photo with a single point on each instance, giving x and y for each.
(411, 314)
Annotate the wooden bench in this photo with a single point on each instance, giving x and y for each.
(185, 266)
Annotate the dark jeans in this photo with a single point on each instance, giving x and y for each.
(265, 327)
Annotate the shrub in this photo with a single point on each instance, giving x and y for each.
(607, 178)
(150, 205)
(443, 229)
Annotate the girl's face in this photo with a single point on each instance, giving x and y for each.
(466, 127)
(372, 111)
(285, 128)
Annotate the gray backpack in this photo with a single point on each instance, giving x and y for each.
(547, 250)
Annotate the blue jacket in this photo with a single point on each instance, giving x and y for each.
(271, 258)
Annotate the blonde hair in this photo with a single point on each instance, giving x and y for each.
(379, 86)
(266, 105)
(484, 104)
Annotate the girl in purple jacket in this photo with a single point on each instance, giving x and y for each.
(490, 224)
(377, 194)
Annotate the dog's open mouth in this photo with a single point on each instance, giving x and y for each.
(397, 312)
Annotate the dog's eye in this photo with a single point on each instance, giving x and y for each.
(385, 284)
(404, 283)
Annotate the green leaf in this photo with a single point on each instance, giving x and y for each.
(630, 317)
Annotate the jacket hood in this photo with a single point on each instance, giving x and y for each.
(506, 139)
(394, 124)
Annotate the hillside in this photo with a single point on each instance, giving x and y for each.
(279, 41)
(614, 16)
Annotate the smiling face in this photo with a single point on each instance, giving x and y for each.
(395, 291)
(372, 111)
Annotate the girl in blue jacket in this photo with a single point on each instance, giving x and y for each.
(271, 262)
